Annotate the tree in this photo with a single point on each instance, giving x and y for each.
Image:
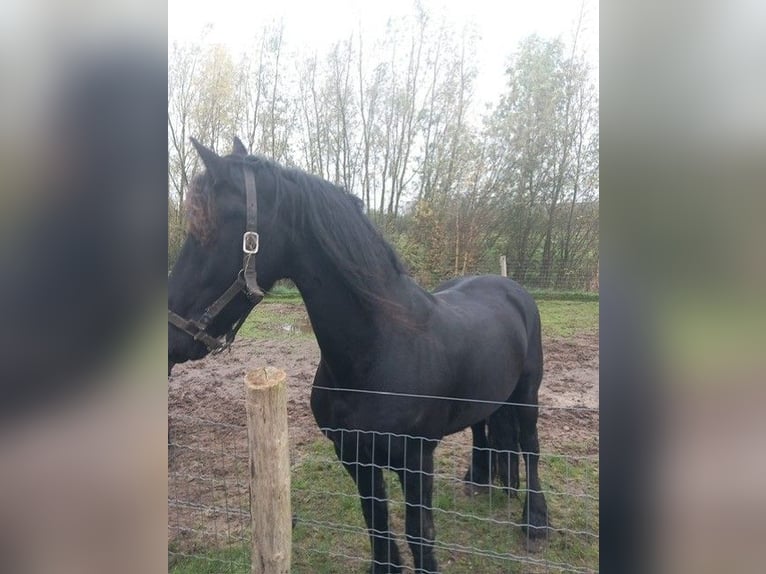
(537, 136)
(391, 121)
(182, 99)
(265, 113)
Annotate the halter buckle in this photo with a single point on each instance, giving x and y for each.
(250, 242)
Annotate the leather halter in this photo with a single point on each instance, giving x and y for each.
(246, 282)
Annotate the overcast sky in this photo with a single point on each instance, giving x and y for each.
(316, 24)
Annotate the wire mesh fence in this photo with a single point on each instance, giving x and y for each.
(477, 529)
(208, 502)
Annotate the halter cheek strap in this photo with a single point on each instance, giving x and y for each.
(251, 239)
(246, 282)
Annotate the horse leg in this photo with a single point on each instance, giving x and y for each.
(535, 516)
(416, 477)
(354, 450)
(478, 477)
(504, 440)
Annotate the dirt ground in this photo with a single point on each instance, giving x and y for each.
(207, 455)
(213, 388)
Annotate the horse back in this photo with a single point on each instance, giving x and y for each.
(493, 299)
(474, 345)
(490, 326)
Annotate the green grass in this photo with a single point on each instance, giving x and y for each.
(284, 294)
(330, 536)
(568, 318)
(564, 296)
(277, 319)
(285, 317)
(230, 560)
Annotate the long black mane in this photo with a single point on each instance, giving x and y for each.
(334, 218)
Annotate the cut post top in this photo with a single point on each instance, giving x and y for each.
(264, 377)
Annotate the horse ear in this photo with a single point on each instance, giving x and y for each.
(211, 160)
(238, 148)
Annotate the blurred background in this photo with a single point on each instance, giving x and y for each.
(82, 203)
(683, 143)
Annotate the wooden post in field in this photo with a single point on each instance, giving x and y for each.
(266, 403)
(503, 266)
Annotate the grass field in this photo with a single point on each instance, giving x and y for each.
(568, 318)
(284, 316)
(330, 537)
(474, 535)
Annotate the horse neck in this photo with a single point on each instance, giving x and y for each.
(346, 327)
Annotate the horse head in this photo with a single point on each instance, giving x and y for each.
(230, 241)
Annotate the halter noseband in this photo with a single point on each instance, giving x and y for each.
(246, 282)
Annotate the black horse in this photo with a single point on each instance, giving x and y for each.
(400, 367)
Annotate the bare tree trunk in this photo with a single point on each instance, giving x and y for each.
(257, 104)
(365, 132)
(278, 48)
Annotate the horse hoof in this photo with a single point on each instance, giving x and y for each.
(535, 527)
(534, 519)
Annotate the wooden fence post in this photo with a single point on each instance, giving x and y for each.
(503, 266)
(266, 403)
